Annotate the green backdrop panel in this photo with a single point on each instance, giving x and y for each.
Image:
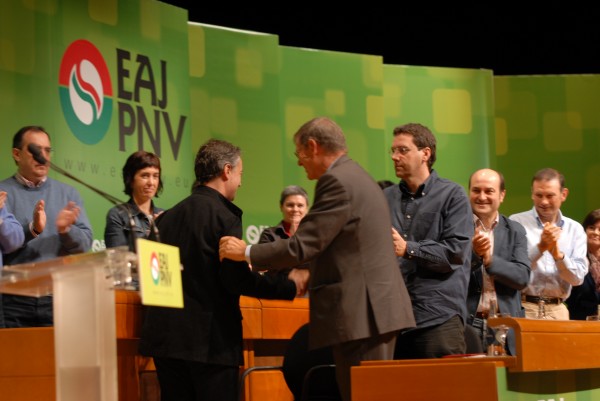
(105, 79)
(549, 121)
(234, 91)
(345, 87)
(455, 104)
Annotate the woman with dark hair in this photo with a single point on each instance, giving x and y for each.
(584, 298)
(135, 218)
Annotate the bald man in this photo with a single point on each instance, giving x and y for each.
(500, 266)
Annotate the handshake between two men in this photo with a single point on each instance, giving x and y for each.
(235, 249)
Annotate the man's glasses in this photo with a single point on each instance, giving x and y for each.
(401, 150)
(298, 156)
(47, 150)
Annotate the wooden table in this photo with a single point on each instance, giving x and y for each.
(555, 359)
(27, 355)
(267, 325)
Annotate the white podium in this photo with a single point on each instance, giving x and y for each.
(84, 316)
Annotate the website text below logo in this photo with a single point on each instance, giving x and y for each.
(85, 92)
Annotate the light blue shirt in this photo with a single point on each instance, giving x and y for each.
(11, 233)
(549, 277)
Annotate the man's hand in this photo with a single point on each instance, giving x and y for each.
(66, 217)
(39, 216)
(482, 246)
(399, 243)
(549, 240)
(232, 248)
(2, 198)
(300, 277)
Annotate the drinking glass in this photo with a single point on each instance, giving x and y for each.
(498, 347)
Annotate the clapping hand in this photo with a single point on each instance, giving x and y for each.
(39, 217)
(549, 240)
(482, 246)
(66, 217)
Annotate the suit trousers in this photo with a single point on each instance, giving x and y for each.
(182, 380)
(447, 338)
(22, 311)
(351, 353)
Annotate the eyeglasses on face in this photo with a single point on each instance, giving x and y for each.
(401, 150)
(44, 149)
(300, 156)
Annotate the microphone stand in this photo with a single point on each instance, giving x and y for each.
(38, 157)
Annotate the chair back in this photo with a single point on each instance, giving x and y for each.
(309, 374)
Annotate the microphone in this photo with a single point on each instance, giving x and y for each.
(36, 152)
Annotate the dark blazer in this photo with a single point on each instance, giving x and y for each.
(510, 268)
(276, 233)
(273, 233)
(209, 327)
(354, 275)
(584, 299)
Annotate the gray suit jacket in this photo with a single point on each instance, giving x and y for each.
(510, 268)
(356, 288)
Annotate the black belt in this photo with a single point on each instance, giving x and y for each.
(479, 320)
(535, 300)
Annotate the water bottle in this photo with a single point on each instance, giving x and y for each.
(493, 308)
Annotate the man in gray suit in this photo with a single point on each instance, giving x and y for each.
(358, 300)
(500, 266)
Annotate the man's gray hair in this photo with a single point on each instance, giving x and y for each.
(325, 132)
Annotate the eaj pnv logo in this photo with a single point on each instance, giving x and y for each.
(85, 92)
(155, 268)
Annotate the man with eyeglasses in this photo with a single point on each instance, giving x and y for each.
(432, 230)
(53, 220)
(358, 301)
